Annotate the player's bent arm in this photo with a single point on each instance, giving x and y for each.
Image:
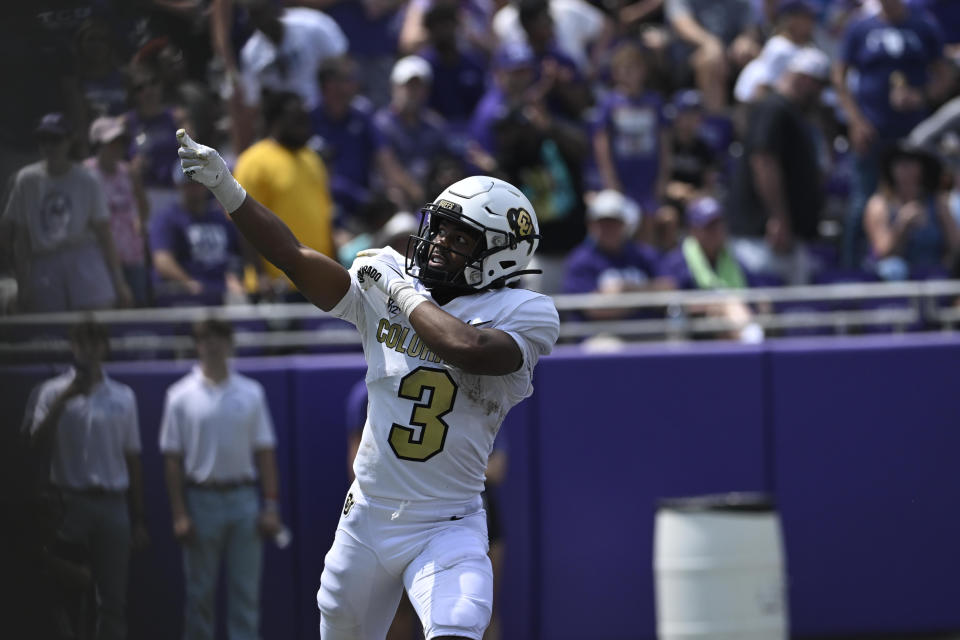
(321, 280)
(488, 352)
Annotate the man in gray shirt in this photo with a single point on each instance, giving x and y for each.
(56, 225)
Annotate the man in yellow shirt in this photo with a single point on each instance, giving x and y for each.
(289, 177)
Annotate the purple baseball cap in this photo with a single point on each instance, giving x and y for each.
(703, 211)
(53, 124)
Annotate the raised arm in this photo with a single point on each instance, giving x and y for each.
(322, 280)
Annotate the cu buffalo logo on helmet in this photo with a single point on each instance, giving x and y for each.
(521, 222)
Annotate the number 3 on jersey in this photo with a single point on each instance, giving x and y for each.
(427, 414)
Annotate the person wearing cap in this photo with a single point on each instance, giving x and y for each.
(693, 162)
(777, 193)
(795, 21)
(608, 260)
(630, 138)
(56, 225)
(411, 133)
(195, 250)
(218, 444)
(908, 225)
(290, 178)
(513, 74)
(704, 261)
(88, 425)
(125, 199)
(897, 58)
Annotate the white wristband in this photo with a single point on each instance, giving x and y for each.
(405, 296)
(229, 193)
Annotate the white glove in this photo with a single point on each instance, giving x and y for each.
(377, 268)
(204, 165)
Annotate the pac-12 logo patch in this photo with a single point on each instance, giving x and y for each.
(348, 504)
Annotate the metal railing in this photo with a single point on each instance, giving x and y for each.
(837, 308)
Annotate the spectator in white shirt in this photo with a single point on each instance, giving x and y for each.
(217, 438)
(795, 20)
(284, 54)
(578, 26)
(88, 423)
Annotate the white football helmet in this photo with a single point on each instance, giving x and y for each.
(509, 234)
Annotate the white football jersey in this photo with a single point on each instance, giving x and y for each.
(430, 426)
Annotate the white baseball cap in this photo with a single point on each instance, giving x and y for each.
(610, 203)
(812, 62)
(105, 129)
(410, 67)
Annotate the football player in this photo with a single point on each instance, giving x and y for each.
(450, 348)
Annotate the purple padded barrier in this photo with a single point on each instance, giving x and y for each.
(319, 388)
(865, 451)
(517, 504)
(617, 432)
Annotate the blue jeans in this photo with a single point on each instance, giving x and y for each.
(137, 279)
(225, 523)
(102, 524)
(864, 178)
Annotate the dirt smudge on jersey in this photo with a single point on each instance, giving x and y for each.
(471, 386)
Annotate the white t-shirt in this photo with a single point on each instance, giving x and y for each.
(93, 435)
(576, 24)
(765, 69)
(216, 427)
(309, 38)
(430, 426)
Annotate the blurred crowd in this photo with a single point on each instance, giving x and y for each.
(697, 144)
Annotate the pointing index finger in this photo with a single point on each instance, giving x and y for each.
(185, 140)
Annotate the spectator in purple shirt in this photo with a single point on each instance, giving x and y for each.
(196, 252)
(608, 260)
(704, 261)
(411, 135)
(152, 126)
(459, 76)
(630, 141)
(513, 75)
(891, 73)
(559, 82)
(947, 15)
(349, 142)
(372, 29)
